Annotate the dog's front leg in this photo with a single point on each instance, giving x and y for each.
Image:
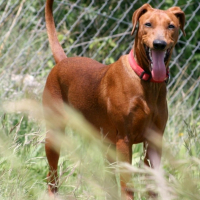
(153, 156)
(124, 153)
(153, 159)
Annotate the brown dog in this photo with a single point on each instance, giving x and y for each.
(126, 99)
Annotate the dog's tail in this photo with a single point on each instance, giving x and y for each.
(57, 50)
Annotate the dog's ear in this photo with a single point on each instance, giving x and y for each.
(180, 15)
(137, 14)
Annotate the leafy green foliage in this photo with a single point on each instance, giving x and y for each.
(23, 166)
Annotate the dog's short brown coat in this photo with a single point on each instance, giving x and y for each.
(113, 97)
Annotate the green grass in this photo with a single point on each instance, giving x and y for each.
(23, 166)
(83, 172)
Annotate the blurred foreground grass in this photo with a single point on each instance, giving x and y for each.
(83, 172)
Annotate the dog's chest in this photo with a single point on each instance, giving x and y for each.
(135, 115)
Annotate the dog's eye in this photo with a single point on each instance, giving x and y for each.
(148, 24)
(171, 26)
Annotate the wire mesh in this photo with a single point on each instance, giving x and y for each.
(96, 29)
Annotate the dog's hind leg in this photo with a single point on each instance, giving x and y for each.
(52, 148)
(54, 118)
(52, 152)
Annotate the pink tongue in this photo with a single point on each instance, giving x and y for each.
(158, 69)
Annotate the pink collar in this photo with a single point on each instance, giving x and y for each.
(146, 76)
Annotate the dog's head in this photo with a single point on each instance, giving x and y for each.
(156, 36)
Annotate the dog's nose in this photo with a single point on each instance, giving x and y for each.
(159, 44)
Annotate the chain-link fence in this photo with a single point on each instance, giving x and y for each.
(99, 30)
